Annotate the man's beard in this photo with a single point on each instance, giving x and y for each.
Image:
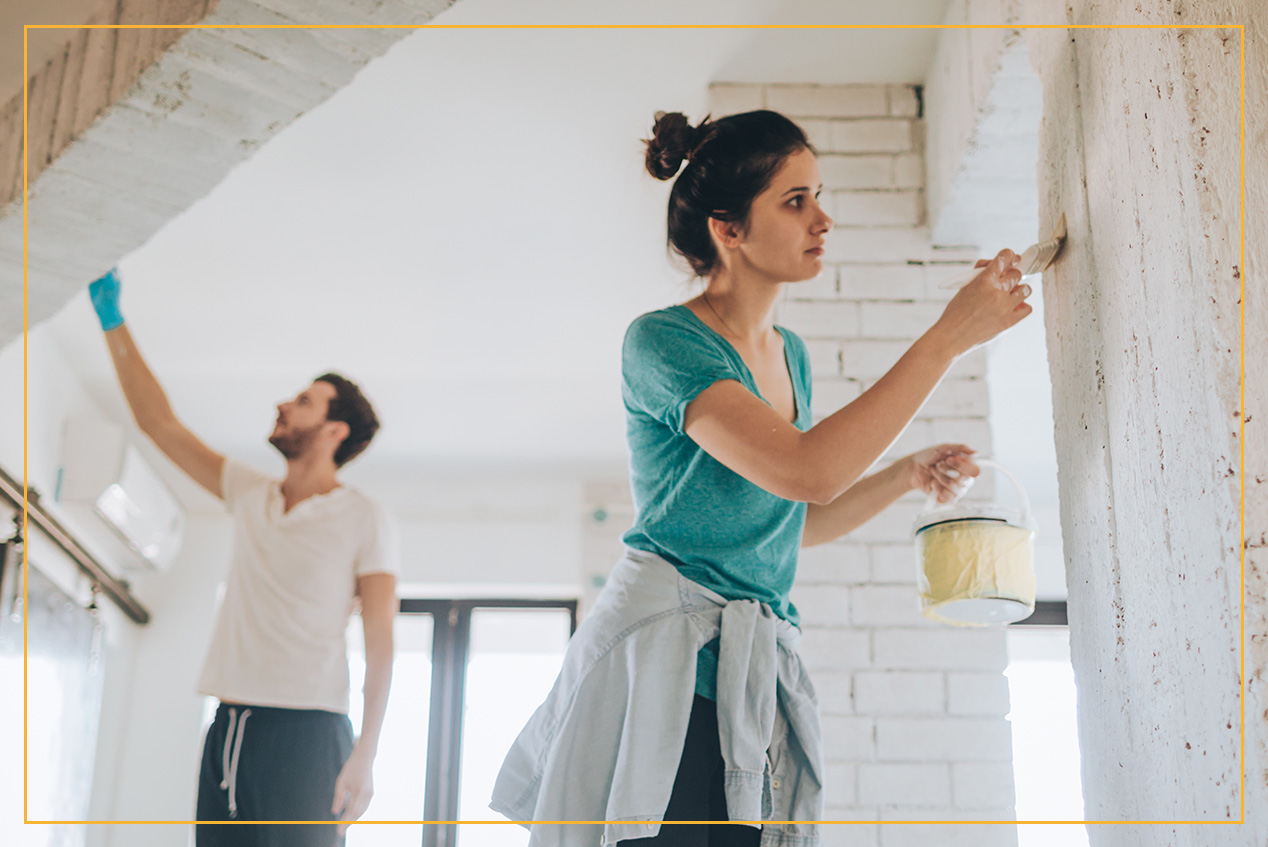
(294, 443)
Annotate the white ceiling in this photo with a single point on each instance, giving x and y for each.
(466, 230)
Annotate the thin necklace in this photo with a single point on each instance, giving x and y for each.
(716, 315)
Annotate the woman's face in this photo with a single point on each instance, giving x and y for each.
(783, 236)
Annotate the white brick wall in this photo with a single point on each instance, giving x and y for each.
(913, 712)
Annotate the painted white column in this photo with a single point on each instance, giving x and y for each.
(1139, 147)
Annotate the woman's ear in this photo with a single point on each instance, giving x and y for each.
(726, 233)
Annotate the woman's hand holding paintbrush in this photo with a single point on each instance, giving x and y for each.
(993, 301)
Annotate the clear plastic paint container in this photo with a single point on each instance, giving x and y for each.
(975, 561)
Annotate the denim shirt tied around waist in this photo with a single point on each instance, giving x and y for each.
(605, 746)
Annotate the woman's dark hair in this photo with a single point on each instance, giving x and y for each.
(350, 406)
(729, 162)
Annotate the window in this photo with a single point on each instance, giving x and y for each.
(467, 675)
(63, 676)
(1045, 736)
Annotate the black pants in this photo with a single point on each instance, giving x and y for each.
(699, 793)
(267, 764)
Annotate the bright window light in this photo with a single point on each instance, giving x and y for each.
(401, 764)
(1045, 736)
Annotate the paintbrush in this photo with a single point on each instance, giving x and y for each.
(1035, 260)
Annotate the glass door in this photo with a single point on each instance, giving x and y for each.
(467, 676)
(400, 767)
(513, 658)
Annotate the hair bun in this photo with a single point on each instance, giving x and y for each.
(673, 140)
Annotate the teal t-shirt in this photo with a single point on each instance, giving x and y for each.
(718, 528)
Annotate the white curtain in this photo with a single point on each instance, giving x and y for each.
(63, 699)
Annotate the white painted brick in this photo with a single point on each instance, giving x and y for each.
(840, 784)
(944, 648)
(958, 398)
(975, 432)
(892, 525)
(958, 253)
(885, 783)
(982, 785)
(823, 605)
(839, 171)
(899, 693)
(828, 101)
(820, 318)
(729, 99)
(825, 358)
(947, 835)
(981, 694)
(835, 690)
(903, 102)
(897, 320)
(818, 133)
(882, 282)
(831, 395)
(890, 135)
(849, 834)
(833, 564)
(943, 739)
(918, 136)
(822, 287)
(916, 436)
(909, 171)
(824, 648)
(885, 605)
(848, 739)
(893, 563)
(937, 273)
(870, 360)
(973, 363)
(890, 244)
(877, 208)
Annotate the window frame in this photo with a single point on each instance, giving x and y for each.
(451, 642)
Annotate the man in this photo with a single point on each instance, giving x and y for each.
(306, 549)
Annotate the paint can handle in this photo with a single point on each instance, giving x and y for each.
(931, 502)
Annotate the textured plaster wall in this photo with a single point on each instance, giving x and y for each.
(1139, 147)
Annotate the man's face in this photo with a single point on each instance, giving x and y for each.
(300, 421)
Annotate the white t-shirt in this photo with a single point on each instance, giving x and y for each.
(279, 634)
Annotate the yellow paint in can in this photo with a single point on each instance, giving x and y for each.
(976, 572)
(976, 561)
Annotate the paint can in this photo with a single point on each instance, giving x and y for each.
(975, 561)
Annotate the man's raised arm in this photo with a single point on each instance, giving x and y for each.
(149, 405)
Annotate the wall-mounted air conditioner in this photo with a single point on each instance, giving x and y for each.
(116, 498)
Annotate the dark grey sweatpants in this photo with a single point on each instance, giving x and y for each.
(267, 764)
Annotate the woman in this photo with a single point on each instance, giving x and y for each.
(682, 697)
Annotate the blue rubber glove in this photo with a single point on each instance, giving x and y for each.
(105, 299)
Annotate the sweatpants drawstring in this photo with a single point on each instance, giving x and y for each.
(232, 752)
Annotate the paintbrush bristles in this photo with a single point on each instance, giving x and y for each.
(1047, 251)
(1036, 258)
